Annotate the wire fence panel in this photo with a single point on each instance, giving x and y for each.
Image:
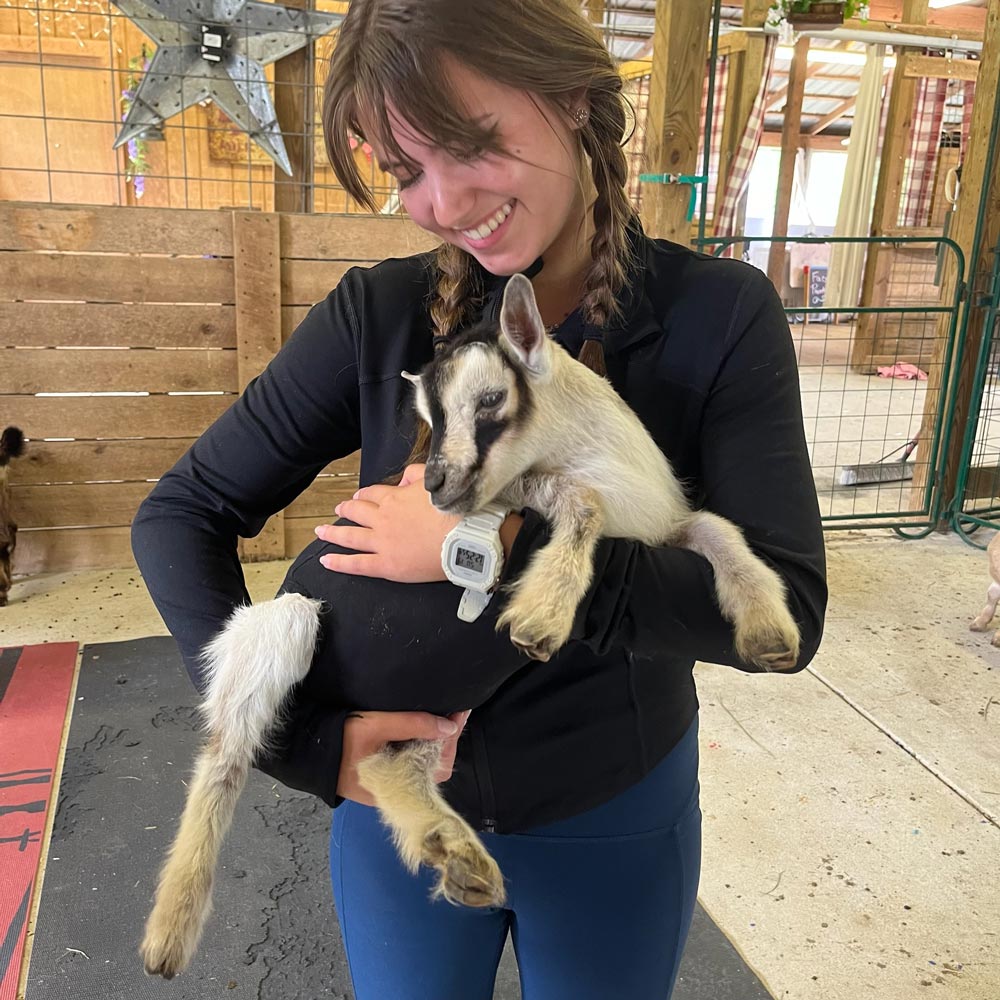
(978, 490)
(875, 379)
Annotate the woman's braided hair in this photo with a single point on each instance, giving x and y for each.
(389, 52)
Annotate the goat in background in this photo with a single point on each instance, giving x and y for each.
(538, 405)
(11, 447)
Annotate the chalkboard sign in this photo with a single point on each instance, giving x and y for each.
(816, 293)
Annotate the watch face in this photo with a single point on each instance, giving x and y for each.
(469, 559)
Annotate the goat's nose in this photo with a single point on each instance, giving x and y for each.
(433, 478)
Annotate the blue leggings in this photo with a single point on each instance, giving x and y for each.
(599, 905)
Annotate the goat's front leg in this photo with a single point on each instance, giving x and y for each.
(425, 829)
(544, 599)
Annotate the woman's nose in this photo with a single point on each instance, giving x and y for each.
(452, 201)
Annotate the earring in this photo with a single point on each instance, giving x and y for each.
(581, 116)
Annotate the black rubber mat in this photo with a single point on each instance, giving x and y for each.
(274, 934)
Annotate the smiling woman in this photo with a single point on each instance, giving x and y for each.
(503, 124)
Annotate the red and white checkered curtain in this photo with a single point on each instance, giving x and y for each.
(718, 117)
(738, 175)
(925, 143)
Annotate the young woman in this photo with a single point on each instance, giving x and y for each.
(503, 125)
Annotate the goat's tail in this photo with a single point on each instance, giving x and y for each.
(252, 665)
(11, 444)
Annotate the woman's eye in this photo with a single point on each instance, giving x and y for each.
(469, 155)
(491, 400)
(404, 182)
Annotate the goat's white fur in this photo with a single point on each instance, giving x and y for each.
(584, 461)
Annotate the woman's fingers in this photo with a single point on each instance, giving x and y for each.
(347, 537)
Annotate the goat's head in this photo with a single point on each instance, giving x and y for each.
(477, 396)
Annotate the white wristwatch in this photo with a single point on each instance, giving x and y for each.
(472, 557)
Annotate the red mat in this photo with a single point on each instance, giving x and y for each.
(35, 685)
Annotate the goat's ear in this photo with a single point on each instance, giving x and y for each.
(521, 324)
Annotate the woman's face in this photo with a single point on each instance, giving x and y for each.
(505, 210)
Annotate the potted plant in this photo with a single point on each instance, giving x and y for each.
(802, 15)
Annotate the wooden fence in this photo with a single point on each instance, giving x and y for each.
(124, 332)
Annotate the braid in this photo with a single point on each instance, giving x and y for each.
(457, 292)
(612, 212)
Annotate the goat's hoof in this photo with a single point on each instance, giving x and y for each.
(772, 646)
(165, 954)
(467, 874)
(536, 649)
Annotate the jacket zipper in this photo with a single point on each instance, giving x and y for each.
(484, 781)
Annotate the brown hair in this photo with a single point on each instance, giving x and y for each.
(390, 52)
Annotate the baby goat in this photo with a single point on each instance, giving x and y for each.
(11, 446)
(510, 413)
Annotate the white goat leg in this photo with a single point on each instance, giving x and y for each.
(249, 680)
(425, 828)
(543, 600)
(751, 595)
(982, 622)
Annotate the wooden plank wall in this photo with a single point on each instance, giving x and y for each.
(156, 319)
(904, 279)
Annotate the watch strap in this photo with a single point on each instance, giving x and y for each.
(473, 604)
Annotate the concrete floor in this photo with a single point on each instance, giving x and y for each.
(852, 812)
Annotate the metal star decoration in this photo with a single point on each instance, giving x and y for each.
(217, 49)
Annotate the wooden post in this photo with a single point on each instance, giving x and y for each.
(294, 86)
(675, 91)
(979, 198)
(888, 189)
(790, 141)
(745, 71)
(257, 271)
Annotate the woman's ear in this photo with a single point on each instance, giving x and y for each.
(577, 106)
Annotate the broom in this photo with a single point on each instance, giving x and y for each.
(881, 471)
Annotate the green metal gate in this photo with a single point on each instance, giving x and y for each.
(876, 441)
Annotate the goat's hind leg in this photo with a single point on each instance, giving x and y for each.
(425, 829)
(750, 593)
(252, 665)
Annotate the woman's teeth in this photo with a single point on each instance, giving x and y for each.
(490, 225)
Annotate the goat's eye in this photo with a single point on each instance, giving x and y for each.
(491, 400)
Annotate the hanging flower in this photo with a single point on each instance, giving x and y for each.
(138, 165)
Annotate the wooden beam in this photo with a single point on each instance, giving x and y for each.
(776, 96)
(831, 117)
(910, 28)
(790, 141)
(938, 67)
(746, 69)
(672, 124)
(978, 203)
(885, 212)
(959, 16)
(835, 143)
(257, 277)
(294, 87)
(642, 65)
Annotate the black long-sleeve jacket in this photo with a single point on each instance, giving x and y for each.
(702, 353)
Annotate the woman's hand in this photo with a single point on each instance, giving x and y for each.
(365, 733)
(399, 533)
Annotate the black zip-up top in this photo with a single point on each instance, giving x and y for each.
(702, 353)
